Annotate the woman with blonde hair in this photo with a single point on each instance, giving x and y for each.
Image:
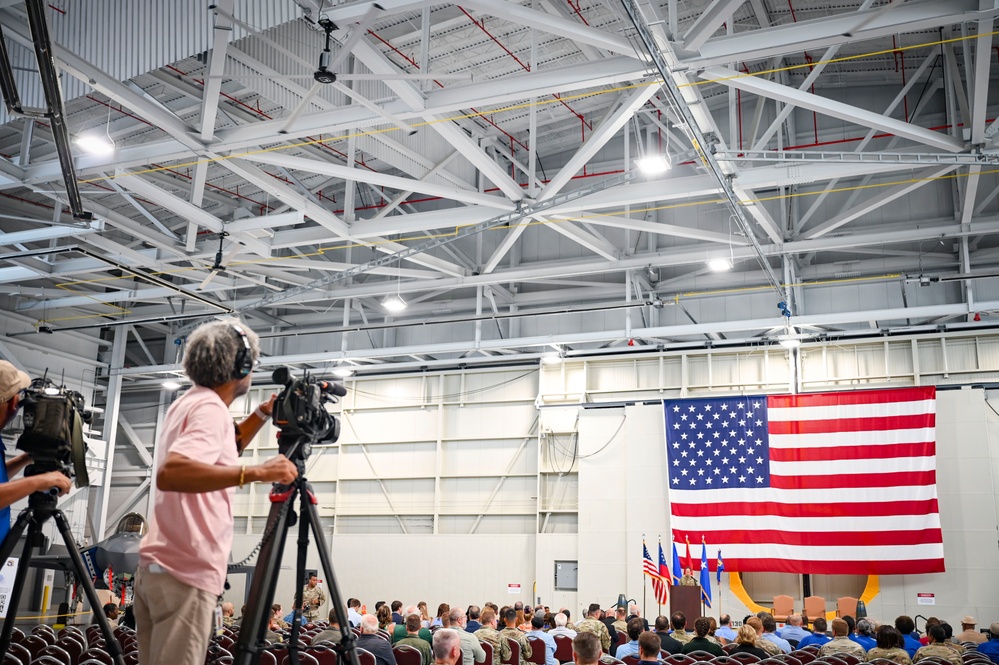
(424, 615)
(745, 641)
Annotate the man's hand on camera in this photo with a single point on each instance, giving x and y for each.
(277, 470)
(267, 408)
(55, 479)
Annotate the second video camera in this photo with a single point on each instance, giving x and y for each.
(53, 430)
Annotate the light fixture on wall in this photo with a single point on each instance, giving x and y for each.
(170, 384)
(551, 358)
(343, 371)
(790, 339)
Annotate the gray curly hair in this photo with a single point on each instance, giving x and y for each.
(210, 356)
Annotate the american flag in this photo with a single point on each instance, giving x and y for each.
(832, 483)
(650, 569)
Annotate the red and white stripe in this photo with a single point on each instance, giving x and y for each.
(852, 490)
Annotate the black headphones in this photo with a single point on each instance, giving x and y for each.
(244, 356)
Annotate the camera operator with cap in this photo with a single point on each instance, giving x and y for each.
(12, 382)
(183, 557)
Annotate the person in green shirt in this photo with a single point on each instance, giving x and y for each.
(413, 639)
(401, 631)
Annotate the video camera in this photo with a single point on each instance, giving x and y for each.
(301, 415)
(53, 430)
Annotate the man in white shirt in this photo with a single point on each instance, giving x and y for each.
(560, 627)
(353, 616)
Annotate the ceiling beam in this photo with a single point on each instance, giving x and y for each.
(884, 197)
(912, 16)
(221, 34)
(712, 17)
(831, 107)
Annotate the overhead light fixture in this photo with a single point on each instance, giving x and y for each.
(343, 371)
(95, 144)
(171, 385)
(653, 164)
(789, 342)
(394, 303)
(720, 265)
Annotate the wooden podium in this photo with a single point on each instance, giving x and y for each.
(686, 599)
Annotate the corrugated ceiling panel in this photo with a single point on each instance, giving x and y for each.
(126, 39)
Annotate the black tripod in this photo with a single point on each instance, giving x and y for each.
(42, 506)
(279, 520)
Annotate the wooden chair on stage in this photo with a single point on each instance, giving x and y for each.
(783, 608)
(814, 607)
(846, 607)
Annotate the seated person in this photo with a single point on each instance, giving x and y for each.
(818, 636)
(938, 647)
(888, 646)
(700, 641)
(635, 627)
(649, 644)
(841, 643)
(745, 641)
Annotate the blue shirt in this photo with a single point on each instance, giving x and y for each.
(990, 649)
(549, 645)
(867, 642)
(628, 649)
(4, 513)
(726, 633)
(789, 632)
(783, 644)
(818, 639)
(911, 645)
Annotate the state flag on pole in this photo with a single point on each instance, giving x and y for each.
(652, 570)
(705, 575)
(664, 573)
(677, 571)
(829, 483)
(720, 566)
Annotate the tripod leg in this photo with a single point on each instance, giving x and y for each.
(22, 570)
(303, 551)
(88, 587)
(310, 514)
(265, 576)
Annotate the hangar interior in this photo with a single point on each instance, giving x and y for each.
(460, 224)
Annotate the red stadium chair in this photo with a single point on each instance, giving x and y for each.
(622, 638)
(679, 659)
(701, 656)
(488, 648)
(20, 652)
(94, 656)
(131, 658)
(10, 659)
(327, 656)
(630, 660)
(848, 658)
(804, 656)
(407, 655)
(16, 635)
(365, 657)
(726, 660)
(58, 653)
(303, 659)
(72, 647)
(563, 649)
(538, 651)
(34, 644)
(745, 658)
(514, 658)
(267, 658)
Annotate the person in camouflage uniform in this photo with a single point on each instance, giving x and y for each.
(888, 647)
(488, 633)
(678, 620)
(938, 647)
(313, 597)
(512, 633)
(228, 615)
(766, 645)
(840, 643)
(591, 624)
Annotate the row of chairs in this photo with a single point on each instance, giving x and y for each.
(813, 606)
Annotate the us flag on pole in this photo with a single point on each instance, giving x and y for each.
(829, 483)
(649, 568)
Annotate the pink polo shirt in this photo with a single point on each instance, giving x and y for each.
(190, 535)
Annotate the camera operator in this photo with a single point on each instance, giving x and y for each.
(12, 382)
(182, 559)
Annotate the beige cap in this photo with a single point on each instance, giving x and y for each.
(12, 380)
(994, 628)
(969, 621)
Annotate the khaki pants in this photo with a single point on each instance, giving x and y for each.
(173, 620)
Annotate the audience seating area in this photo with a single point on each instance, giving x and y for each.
(78, 646)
